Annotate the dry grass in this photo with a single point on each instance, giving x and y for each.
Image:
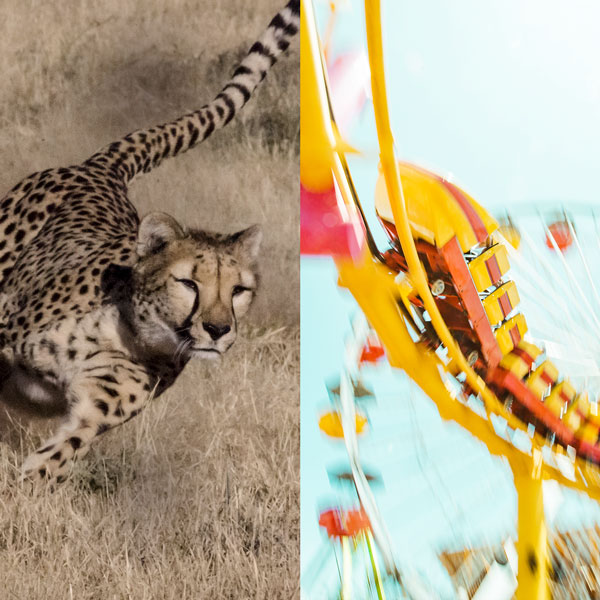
(198, 496)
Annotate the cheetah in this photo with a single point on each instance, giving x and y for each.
(100, 311)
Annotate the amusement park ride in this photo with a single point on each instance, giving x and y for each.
(440, 304)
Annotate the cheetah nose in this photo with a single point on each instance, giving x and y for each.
(216, 331)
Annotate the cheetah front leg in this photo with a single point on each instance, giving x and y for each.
(109, 390)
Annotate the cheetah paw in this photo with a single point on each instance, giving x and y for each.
(46, 465)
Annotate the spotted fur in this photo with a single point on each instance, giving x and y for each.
(99, 311)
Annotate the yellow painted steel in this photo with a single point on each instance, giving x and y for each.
(530, 349)
(531, 587)
(479, 267)
(532, 543)
(560, 397)
(316, 132)
(374, 290)
(542, 378)
(505, 341)
(492, 306)
(515, 364)
(589, 432)
(584, 406)
(433, 213)
(577, 413)
(511, 234)
(394, 189)
(585, 415)
(592, 411)
(377, 293)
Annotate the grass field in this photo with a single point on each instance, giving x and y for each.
(198, 496)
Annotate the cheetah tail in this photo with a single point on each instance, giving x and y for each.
(145, 149)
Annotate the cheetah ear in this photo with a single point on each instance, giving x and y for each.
(156, 230)
(247, 242)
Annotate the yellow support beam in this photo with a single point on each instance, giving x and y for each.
(316, 132)
(532, 543)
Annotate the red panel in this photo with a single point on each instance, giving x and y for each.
(505, 304)
(463, 202)
(474, 219)
(493, 269)
(547, 378)
(469, 297)
(522, 354)
(515, 335)
(564, 396)
(590, 451)
(526, 398)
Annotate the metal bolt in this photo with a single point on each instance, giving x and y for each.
(438, 287)
(472, 358)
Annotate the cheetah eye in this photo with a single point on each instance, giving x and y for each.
(239, 289)
(189, 284)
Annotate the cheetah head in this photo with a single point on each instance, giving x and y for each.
(191, 287)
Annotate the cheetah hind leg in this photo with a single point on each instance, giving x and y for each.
(52, 461)
(109, 391)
